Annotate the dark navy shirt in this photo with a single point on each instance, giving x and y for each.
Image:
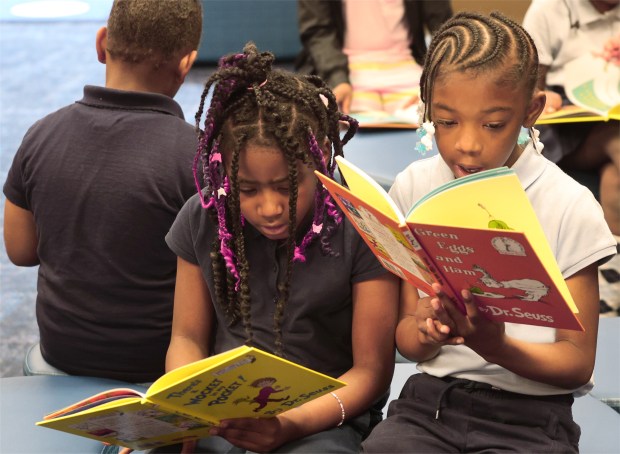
(105, 178)
(317, 320)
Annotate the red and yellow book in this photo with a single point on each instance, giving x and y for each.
(478, 232)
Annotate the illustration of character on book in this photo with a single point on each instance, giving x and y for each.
(266, 390)
(526, 289)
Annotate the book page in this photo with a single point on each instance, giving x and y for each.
(593, 84)
(401, 119)
(97, 399)
(569, 114)
(390, 241)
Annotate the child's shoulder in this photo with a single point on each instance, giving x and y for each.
(419, 178)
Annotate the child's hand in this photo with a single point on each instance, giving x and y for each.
(189, 446)
(553, 101)
(253, 434)
(479, 333)
(433, 327)
(344, 95)
(611, 50)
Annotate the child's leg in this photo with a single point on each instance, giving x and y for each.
(345, 439)
(601, 151)
(383, 86)
(473, 419)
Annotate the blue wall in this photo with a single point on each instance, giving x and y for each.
(229, 24)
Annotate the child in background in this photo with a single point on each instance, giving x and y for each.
(490, 386)
(92, 192)
(266, 259)
(564, 30)
(370, 52)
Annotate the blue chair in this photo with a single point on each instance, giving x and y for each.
(25, 400)
(607, 365)
(35, 364)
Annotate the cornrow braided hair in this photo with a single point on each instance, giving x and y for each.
(253, 103)
(471, 41)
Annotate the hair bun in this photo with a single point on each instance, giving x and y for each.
(255, 65)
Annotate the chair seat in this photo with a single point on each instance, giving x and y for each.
(35, 364)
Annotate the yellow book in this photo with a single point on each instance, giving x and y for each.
(593, 87)
(186, 402)
(478, 232)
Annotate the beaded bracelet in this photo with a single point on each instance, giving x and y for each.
(343, 414)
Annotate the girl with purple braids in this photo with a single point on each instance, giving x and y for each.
(265, 258)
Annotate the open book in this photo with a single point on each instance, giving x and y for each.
(186, 402)
(477, 232)
(378, 119)
(593, 87)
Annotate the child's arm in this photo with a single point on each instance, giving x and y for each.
(567, 363)
(419, 336)
(192, 317)
(20, 235)
(374, 319)
(553, 100)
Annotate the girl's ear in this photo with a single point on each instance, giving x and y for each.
(535, 108)
(327, 147)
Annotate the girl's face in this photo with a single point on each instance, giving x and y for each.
(264, 190)
(478, 121)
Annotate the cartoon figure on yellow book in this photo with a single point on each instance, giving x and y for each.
(495, 223)
(266, 390)
(532, 290)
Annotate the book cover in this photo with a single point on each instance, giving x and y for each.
(186, 402)
(594, 93)
(464, 234)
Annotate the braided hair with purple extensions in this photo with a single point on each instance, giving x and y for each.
(253, 103)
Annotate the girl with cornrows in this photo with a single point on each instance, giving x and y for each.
(484, 386)
(265, 258)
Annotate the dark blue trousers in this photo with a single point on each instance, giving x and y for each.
(434, 415)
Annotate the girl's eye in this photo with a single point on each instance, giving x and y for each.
(247, 191)
(283, 189)
(494, 125)
(446, 123)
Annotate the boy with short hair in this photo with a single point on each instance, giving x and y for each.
(93, 189)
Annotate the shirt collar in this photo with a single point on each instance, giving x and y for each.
(585, 13)
(103, 97)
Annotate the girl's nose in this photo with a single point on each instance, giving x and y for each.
(272, 205)
(468, 141)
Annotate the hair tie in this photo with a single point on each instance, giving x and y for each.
(262, 84)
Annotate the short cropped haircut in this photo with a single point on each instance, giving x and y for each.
(153, 30)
